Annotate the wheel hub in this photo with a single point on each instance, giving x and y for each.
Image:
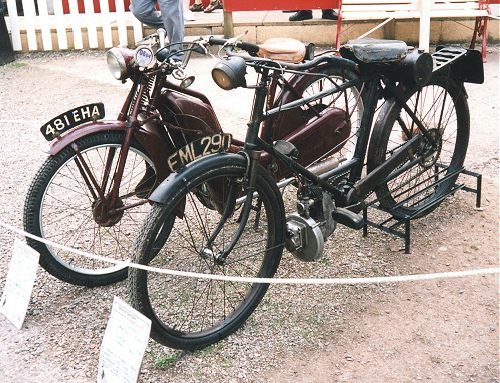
(211, 255)
(104, 215)
(430, 151)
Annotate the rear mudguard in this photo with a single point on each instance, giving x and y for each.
(149, 136)
(176, 183)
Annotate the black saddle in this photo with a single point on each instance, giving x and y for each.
(374, 50)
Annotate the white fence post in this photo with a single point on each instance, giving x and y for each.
(15, 30)
(138, 33)
(62, 39)
(122, 25)
(91, 24)
(76, 24)
(29, 23)
(45, 25)
(106, 24)
(425, 24)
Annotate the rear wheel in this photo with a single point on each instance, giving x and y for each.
(188, 234)
(442, 107)
(60, 207)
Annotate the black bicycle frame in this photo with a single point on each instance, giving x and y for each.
(375, 87)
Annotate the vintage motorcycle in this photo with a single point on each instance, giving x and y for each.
(222, 219)
(91, 192)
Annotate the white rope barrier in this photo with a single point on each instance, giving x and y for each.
(33, 122)
(287, 281)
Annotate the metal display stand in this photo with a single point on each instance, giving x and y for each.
(401, 227)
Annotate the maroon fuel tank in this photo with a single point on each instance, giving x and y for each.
(316, 137)
(315, 131)
(191, 112)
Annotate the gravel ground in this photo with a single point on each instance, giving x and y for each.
(440, 331)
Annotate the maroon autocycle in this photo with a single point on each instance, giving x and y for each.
(91, 192)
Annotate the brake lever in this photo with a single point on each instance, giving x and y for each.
(234, 39)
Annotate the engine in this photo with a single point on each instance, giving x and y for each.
(310, 226)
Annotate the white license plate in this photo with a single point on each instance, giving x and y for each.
(72, 118)
(199, 148)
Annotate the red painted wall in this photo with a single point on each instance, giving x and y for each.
(265, 5)
(97, 6)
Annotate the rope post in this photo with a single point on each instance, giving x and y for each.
(228, 24)
(6, 51)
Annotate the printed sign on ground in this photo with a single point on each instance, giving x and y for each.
(123, 345)
(19, 283)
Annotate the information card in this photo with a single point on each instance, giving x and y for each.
(19, 283)
(123, 345)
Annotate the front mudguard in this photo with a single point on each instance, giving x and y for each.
(177, 183)
(149, 136)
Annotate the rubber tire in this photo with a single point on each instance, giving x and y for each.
(32, 209)
(159, 216)
(381, 135)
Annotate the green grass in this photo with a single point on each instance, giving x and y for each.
(15, 65)
(166, 361)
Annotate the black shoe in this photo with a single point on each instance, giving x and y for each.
(329, 14)
(288, 11)
(301, 15)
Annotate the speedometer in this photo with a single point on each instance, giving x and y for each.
(143, 56)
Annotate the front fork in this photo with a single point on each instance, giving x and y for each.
(252, 156)
(98, 191)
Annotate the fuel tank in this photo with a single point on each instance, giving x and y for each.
(191, 112)
(314, 138)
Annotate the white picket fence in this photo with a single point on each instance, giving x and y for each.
(74, 30)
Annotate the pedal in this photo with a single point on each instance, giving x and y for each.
(286, 148)
(348, 218)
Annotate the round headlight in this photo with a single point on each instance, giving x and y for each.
(230, 73)
(118, 63)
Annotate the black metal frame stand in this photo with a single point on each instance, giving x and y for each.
(394, 225)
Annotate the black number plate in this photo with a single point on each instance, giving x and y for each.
(199, 148)
(72, 118)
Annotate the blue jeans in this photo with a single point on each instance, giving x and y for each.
(170, 17)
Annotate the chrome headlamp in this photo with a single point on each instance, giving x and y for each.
(230, 73)
(118, 62)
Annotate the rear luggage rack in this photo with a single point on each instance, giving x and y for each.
(447, 55)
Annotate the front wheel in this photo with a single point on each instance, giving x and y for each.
(419, 185)
(61, 207)
(188, 234)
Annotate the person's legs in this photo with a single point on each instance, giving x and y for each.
(173, 21)
(145, 12)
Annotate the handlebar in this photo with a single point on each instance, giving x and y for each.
(252, 49)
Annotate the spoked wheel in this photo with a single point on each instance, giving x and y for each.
(429, 174)
(60, 207)
(188, 234)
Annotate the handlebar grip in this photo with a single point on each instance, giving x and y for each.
(250, 48)
(215, 41)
